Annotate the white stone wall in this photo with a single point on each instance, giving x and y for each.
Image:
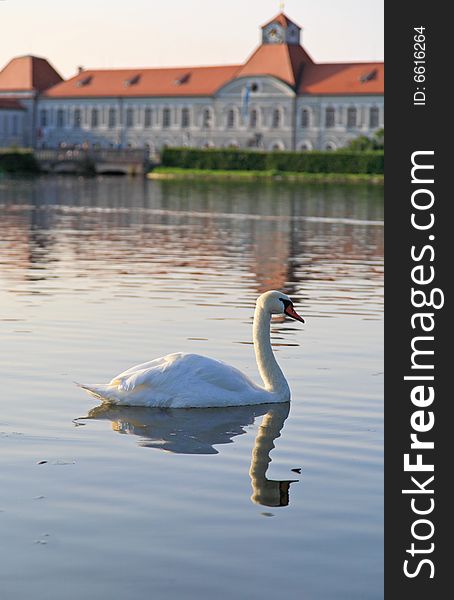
(28, 101)
(220, 121)
(317, 136)
(12, 129)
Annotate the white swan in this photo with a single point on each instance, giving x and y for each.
(193, 381)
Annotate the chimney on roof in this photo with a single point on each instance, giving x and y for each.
(80, 69)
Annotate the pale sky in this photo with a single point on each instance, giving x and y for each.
(148, 33)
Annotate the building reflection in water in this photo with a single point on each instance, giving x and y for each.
(198, 431)
(269, 236)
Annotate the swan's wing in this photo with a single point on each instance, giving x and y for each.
(160, 362)
(218, 374)
(180, 372)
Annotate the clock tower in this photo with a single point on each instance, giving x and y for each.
(281, 30)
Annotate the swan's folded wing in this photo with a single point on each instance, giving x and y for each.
(135, 380)
(160, 362)
(219, 374)
(178, 374)
(149, 373)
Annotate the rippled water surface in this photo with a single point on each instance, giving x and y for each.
(98, 275)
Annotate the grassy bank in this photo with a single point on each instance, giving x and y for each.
(269, 175)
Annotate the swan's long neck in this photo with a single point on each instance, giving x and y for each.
(270, 372)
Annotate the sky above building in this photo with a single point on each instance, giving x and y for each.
(148, 33)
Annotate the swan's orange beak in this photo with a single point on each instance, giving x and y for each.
(291, 312)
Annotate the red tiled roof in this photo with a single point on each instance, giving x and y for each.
(28, 73)
(288, 62)
(282, 19)
(175, 81)
(342, 78)
(284, 61)
(10, 104)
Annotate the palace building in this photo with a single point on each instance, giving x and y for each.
(278, 99)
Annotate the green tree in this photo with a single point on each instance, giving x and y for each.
(363, 143)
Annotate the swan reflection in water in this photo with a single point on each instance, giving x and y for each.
(198, 430)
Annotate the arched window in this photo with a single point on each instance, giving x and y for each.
(166, 117)
(43, 118)
(77, 118)
(129, 117)
(206, 118)
(94, 117)
(330, 117)
(60, 118)
(276, 120)
(373, 117)
(231, 118)
(147, 117)
(304, 146)
(305, 121)
(112, 118)
(351, 116)
(330, 146)
(185, 117)
(253, 118)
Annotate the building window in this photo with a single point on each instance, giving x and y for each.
(230, 118)
(276, 121)
(60, 118)
(373, 117)
(148, 117)
(185, 119)
(112, 118)
(253, 118)
(330, 117)
(77, 118)
(129, 117)
(305, 118)
(351, 117)
(206, 118)
(94, 117)
(43, 118)
(166, 117)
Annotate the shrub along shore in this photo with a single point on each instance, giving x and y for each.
(18, 161)
(315, 166)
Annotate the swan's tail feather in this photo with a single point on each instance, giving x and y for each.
(102, 391)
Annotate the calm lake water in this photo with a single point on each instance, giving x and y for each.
(100, 274)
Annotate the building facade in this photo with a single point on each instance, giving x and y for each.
(279, 99)
(12, 123)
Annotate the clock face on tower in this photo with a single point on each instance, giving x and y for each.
(273, 34)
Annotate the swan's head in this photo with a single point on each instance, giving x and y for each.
(277, 303)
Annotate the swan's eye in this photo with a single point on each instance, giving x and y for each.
(285, 302)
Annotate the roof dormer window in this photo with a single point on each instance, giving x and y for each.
(132, 80)
(369, 76)
(84, 81)
(182, 79)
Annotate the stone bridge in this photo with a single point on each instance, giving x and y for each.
(127, 161)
